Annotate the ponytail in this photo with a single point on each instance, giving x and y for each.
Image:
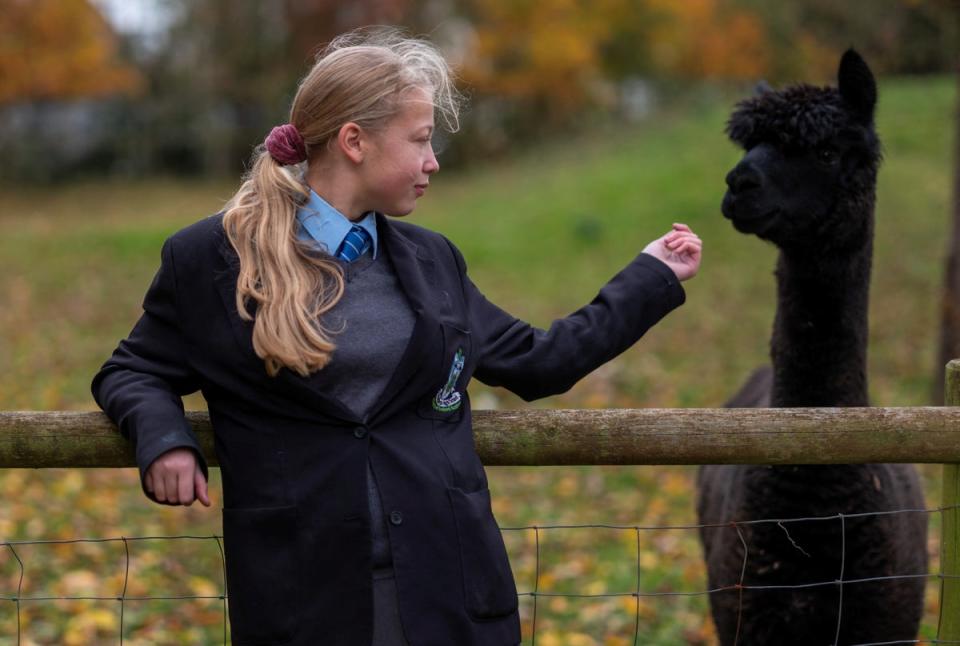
(290, 286)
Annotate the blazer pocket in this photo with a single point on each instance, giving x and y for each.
(262, 574)
(488, 587)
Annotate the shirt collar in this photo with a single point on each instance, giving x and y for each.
(328, 227)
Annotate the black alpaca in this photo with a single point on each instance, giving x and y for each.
(807, 183)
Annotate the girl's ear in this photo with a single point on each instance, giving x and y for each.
(350, 141)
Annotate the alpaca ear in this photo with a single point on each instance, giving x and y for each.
(762, 87)
(857, 85)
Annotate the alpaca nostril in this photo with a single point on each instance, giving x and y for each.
(740, 180)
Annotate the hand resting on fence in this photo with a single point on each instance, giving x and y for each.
(175, 478)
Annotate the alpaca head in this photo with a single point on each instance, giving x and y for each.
(808, 176)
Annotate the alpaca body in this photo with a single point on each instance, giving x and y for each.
(818, 353)
(818, 209)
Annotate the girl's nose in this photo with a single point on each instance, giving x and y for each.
(431, 165)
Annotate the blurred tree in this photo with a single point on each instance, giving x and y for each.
(231, 68)
(61, 67)
(312, 23)
(709, 39)
(59, 49)
(896, 36)
(222, 78)
(949, 337)
(543, 55)
(540, 66)
(556, 54)
(224, 72)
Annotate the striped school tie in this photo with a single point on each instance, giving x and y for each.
(357, 242)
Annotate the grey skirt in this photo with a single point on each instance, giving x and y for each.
(387, 630)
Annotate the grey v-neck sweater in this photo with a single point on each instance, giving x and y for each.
(372, 322)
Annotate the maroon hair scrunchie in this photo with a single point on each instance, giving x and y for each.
(285, 145)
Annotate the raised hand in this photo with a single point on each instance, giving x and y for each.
(680, 250)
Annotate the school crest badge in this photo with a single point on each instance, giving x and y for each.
(447, 399)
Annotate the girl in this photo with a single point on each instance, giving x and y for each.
(334, 346)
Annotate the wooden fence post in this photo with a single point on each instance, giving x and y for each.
(949, 625)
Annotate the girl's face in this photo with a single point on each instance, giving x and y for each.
(400, 160)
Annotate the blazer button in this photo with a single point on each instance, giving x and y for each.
(396, 517)
(360, 432)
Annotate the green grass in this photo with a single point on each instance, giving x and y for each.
(540, 232)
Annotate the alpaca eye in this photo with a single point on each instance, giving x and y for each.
(827, 155)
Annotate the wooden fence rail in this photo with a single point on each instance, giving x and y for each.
(554, 437)
(32, 439)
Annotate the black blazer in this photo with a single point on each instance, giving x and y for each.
(295, 520)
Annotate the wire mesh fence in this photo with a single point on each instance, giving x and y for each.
(91, 602)
(645, 588)
(627, 578)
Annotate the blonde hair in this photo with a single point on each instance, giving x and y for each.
(359, 77)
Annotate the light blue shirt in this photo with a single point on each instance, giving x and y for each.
(328, 227)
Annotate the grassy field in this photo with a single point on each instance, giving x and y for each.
(540, 232)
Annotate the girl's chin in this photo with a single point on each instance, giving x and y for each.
(399, 213)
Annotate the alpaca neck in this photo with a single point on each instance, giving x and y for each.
(819, 345)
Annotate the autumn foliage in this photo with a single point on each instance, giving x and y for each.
(708, 39)
(539, 51)
(58, 49)
(564, 55)
(222, 72)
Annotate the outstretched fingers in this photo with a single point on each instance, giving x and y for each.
(683, 242)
